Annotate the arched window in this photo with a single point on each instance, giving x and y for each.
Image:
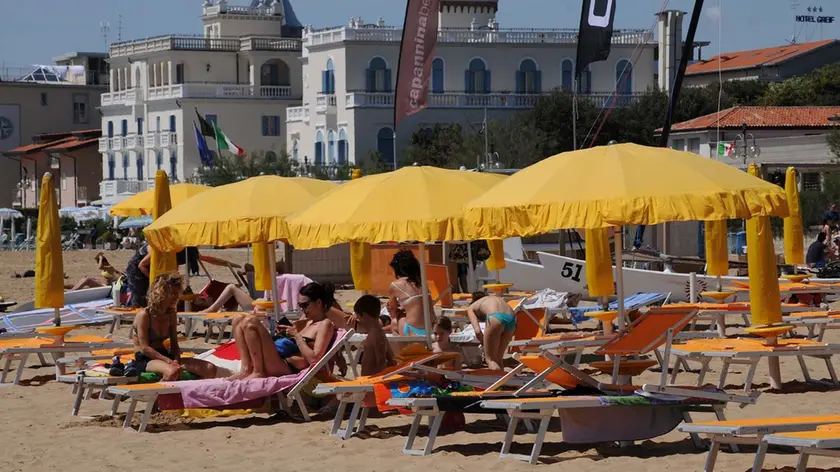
(140, 167)
(477, 77)
(159, 160)
(140, 126)
(567, 74)
(271, 156)
(275, 73)
(173, 165)
(585, 81)
(172, 123)
(528, 80)
(125, 165)
(110, 129)
(331, 147)
(438, 85)
(295, 150)
(378, 76)
(319, 148)
(157, 124)
(124, 128)
(385, 145)
(112, 166)
(343, 148)
(624, 77)
(328, 78)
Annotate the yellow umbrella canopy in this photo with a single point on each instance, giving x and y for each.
(794, 238)
(251, 211)
(49, 264)
(620, 184)
(765, 297)
(717, 248)
(142, 203)
(411, 204)
(162, 261)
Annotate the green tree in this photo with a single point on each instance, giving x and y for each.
(230, 169)
(517, 144)
(439, 146)
(373, 163)
(744, 92)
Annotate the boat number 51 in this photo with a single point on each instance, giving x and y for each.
(571, 271)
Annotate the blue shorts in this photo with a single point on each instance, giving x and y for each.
(409, 330)
(507, 320)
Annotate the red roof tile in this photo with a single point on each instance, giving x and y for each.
(33, 148)
(754, 58)
(72, 145)
(762, 117)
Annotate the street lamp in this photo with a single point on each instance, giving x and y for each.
(746, 150)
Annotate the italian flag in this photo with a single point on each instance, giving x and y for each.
(725, 149)
(226, 144)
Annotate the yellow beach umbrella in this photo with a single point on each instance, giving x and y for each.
(263, 267)
(142, 203)
(794, 237)
(49, 264)
(765, 297)
(162, 261)
(370, 209)
(717, 250)
(251, 211)
(620, 184)
(599, 270)
(360, 266)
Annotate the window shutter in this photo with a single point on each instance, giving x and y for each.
(265, 126)
(487, 86)
(538, 81)
(369, 80)
(467, 82)
(325, 81)
(332, 82)
(388, 80)
(519, 86)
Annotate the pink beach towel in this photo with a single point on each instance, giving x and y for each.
(288, 288)
(212, 393)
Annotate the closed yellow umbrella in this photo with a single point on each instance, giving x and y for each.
(162, 261)
(251, 211)
(616, 185)
(794, 237)
(142, 203)
(599, 268)
(496, 261)
(49, 264)
(765, 297)
(370, 209)
(360, 266)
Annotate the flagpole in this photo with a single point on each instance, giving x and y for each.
(486, 139)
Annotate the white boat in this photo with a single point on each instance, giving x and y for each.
(73, 298)
(567, 274)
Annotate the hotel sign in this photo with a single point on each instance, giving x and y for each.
(814, 18)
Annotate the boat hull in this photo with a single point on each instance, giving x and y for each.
(73, 298)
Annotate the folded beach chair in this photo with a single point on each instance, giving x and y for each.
(631, 303)
(26, 321)
(749, 352)
(21, 348)
(754, 432)
(214, 393)
(816, 322)
(592, 419)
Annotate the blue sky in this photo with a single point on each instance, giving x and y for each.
(33, 31)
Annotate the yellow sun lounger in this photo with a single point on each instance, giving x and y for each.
(825, 441)
(752, 432)
(749, 352)
(21, 348)
(149, 393)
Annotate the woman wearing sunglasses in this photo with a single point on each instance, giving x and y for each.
(300, 346)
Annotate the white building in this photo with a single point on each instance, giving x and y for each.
(242, 73)
(349, 74)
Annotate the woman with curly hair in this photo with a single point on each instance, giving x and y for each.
(155, 325)
(405, 295)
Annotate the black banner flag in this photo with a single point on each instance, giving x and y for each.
(595, 35)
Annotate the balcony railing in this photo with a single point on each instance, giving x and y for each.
(168, 139)
(468, 35)
(133, 141)
(481, 100)
(203, 43)
(115, 188)
(324, 103)
(151, 140)
(104, 144)
(122, 97)
(117, 143)
(202, 90)
(297, 114)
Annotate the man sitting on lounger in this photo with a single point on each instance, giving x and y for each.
(500, 326)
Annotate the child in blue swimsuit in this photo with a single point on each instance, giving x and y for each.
(499, 329)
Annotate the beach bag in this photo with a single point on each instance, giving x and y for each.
(119, 292)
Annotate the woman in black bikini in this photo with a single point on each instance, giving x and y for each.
(155, 325)
(303, 345)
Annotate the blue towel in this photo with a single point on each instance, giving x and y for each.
(633, 302)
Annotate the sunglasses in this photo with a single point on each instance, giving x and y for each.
(304, 305)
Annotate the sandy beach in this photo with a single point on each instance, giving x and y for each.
(37, 432)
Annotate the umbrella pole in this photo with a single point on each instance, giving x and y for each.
(619, 269)
(427, 319)
(272, 321)
(187, 303)
(470, 272)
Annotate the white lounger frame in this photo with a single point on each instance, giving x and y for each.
(807, 448)
(734, 434)
(286, 399)
(21, 354)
